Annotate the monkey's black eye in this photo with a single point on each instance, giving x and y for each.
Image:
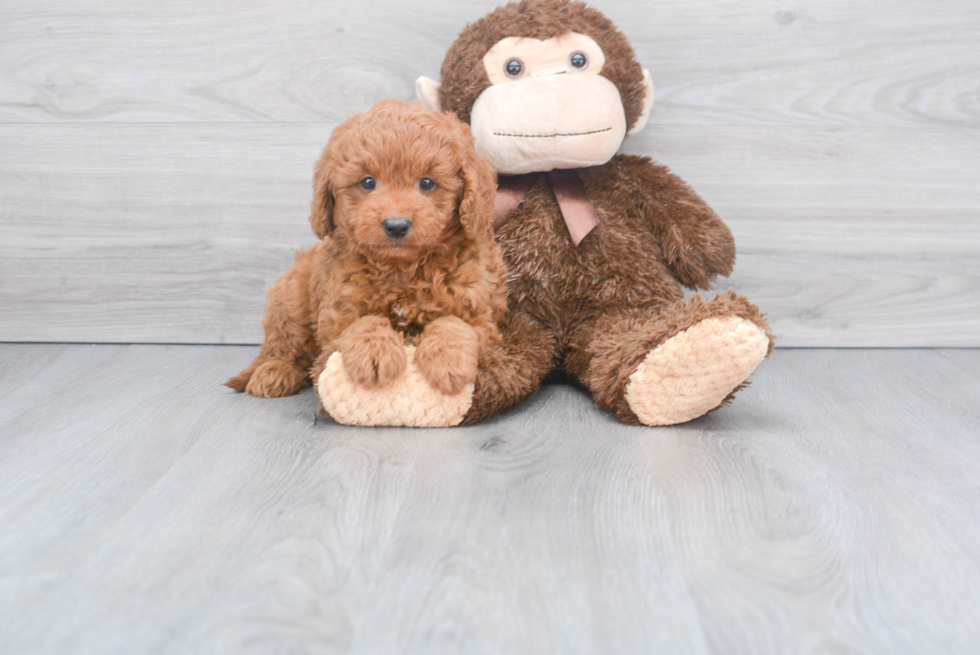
(427, 184)
(514, 67)
(368, 183)
(578, 60)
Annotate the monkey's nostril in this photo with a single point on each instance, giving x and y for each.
(396, 228)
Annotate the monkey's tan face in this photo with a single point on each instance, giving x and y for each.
(547, 107)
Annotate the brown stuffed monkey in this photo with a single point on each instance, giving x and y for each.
(598, 244)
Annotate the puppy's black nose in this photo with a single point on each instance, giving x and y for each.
(396, 228)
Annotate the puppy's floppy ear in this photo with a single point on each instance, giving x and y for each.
(321, 210)
(479, 184)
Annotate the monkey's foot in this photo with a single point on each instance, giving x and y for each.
(696, 370)
(408, 401)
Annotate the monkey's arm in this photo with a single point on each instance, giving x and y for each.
(696, 244)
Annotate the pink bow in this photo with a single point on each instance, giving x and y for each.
(576, 208)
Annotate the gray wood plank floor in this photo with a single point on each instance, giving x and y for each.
(834, 508)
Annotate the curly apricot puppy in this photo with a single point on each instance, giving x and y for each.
(402, 204)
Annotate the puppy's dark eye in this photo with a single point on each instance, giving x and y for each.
(427, 184)
(514, 67)
(368, 183)
(578, 60)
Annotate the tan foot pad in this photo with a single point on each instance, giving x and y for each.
(409, 401)
(692, 372)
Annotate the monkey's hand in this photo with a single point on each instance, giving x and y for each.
(696, 245)
(408, 401)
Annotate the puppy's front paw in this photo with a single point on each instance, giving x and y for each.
(447, 355)
(373, 353)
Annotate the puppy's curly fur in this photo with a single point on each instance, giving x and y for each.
(366, 294)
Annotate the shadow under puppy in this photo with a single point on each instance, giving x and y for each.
(402, 206)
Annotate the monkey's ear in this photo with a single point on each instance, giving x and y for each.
(428, 93)
(321, 209)
(647, 103)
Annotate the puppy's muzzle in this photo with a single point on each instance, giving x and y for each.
(396, 228)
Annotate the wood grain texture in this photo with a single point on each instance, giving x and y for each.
(832, 508)
(172, 233)
(966, 359)
(155, 168)
(810, 62)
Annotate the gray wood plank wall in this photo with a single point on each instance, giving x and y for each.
(155, 158)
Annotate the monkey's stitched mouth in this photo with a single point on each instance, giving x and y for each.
(548, 136)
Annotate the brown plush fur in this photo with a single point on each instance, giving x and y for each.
(364, 294)
(595, 310)
(463, 75)
(605, 352)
